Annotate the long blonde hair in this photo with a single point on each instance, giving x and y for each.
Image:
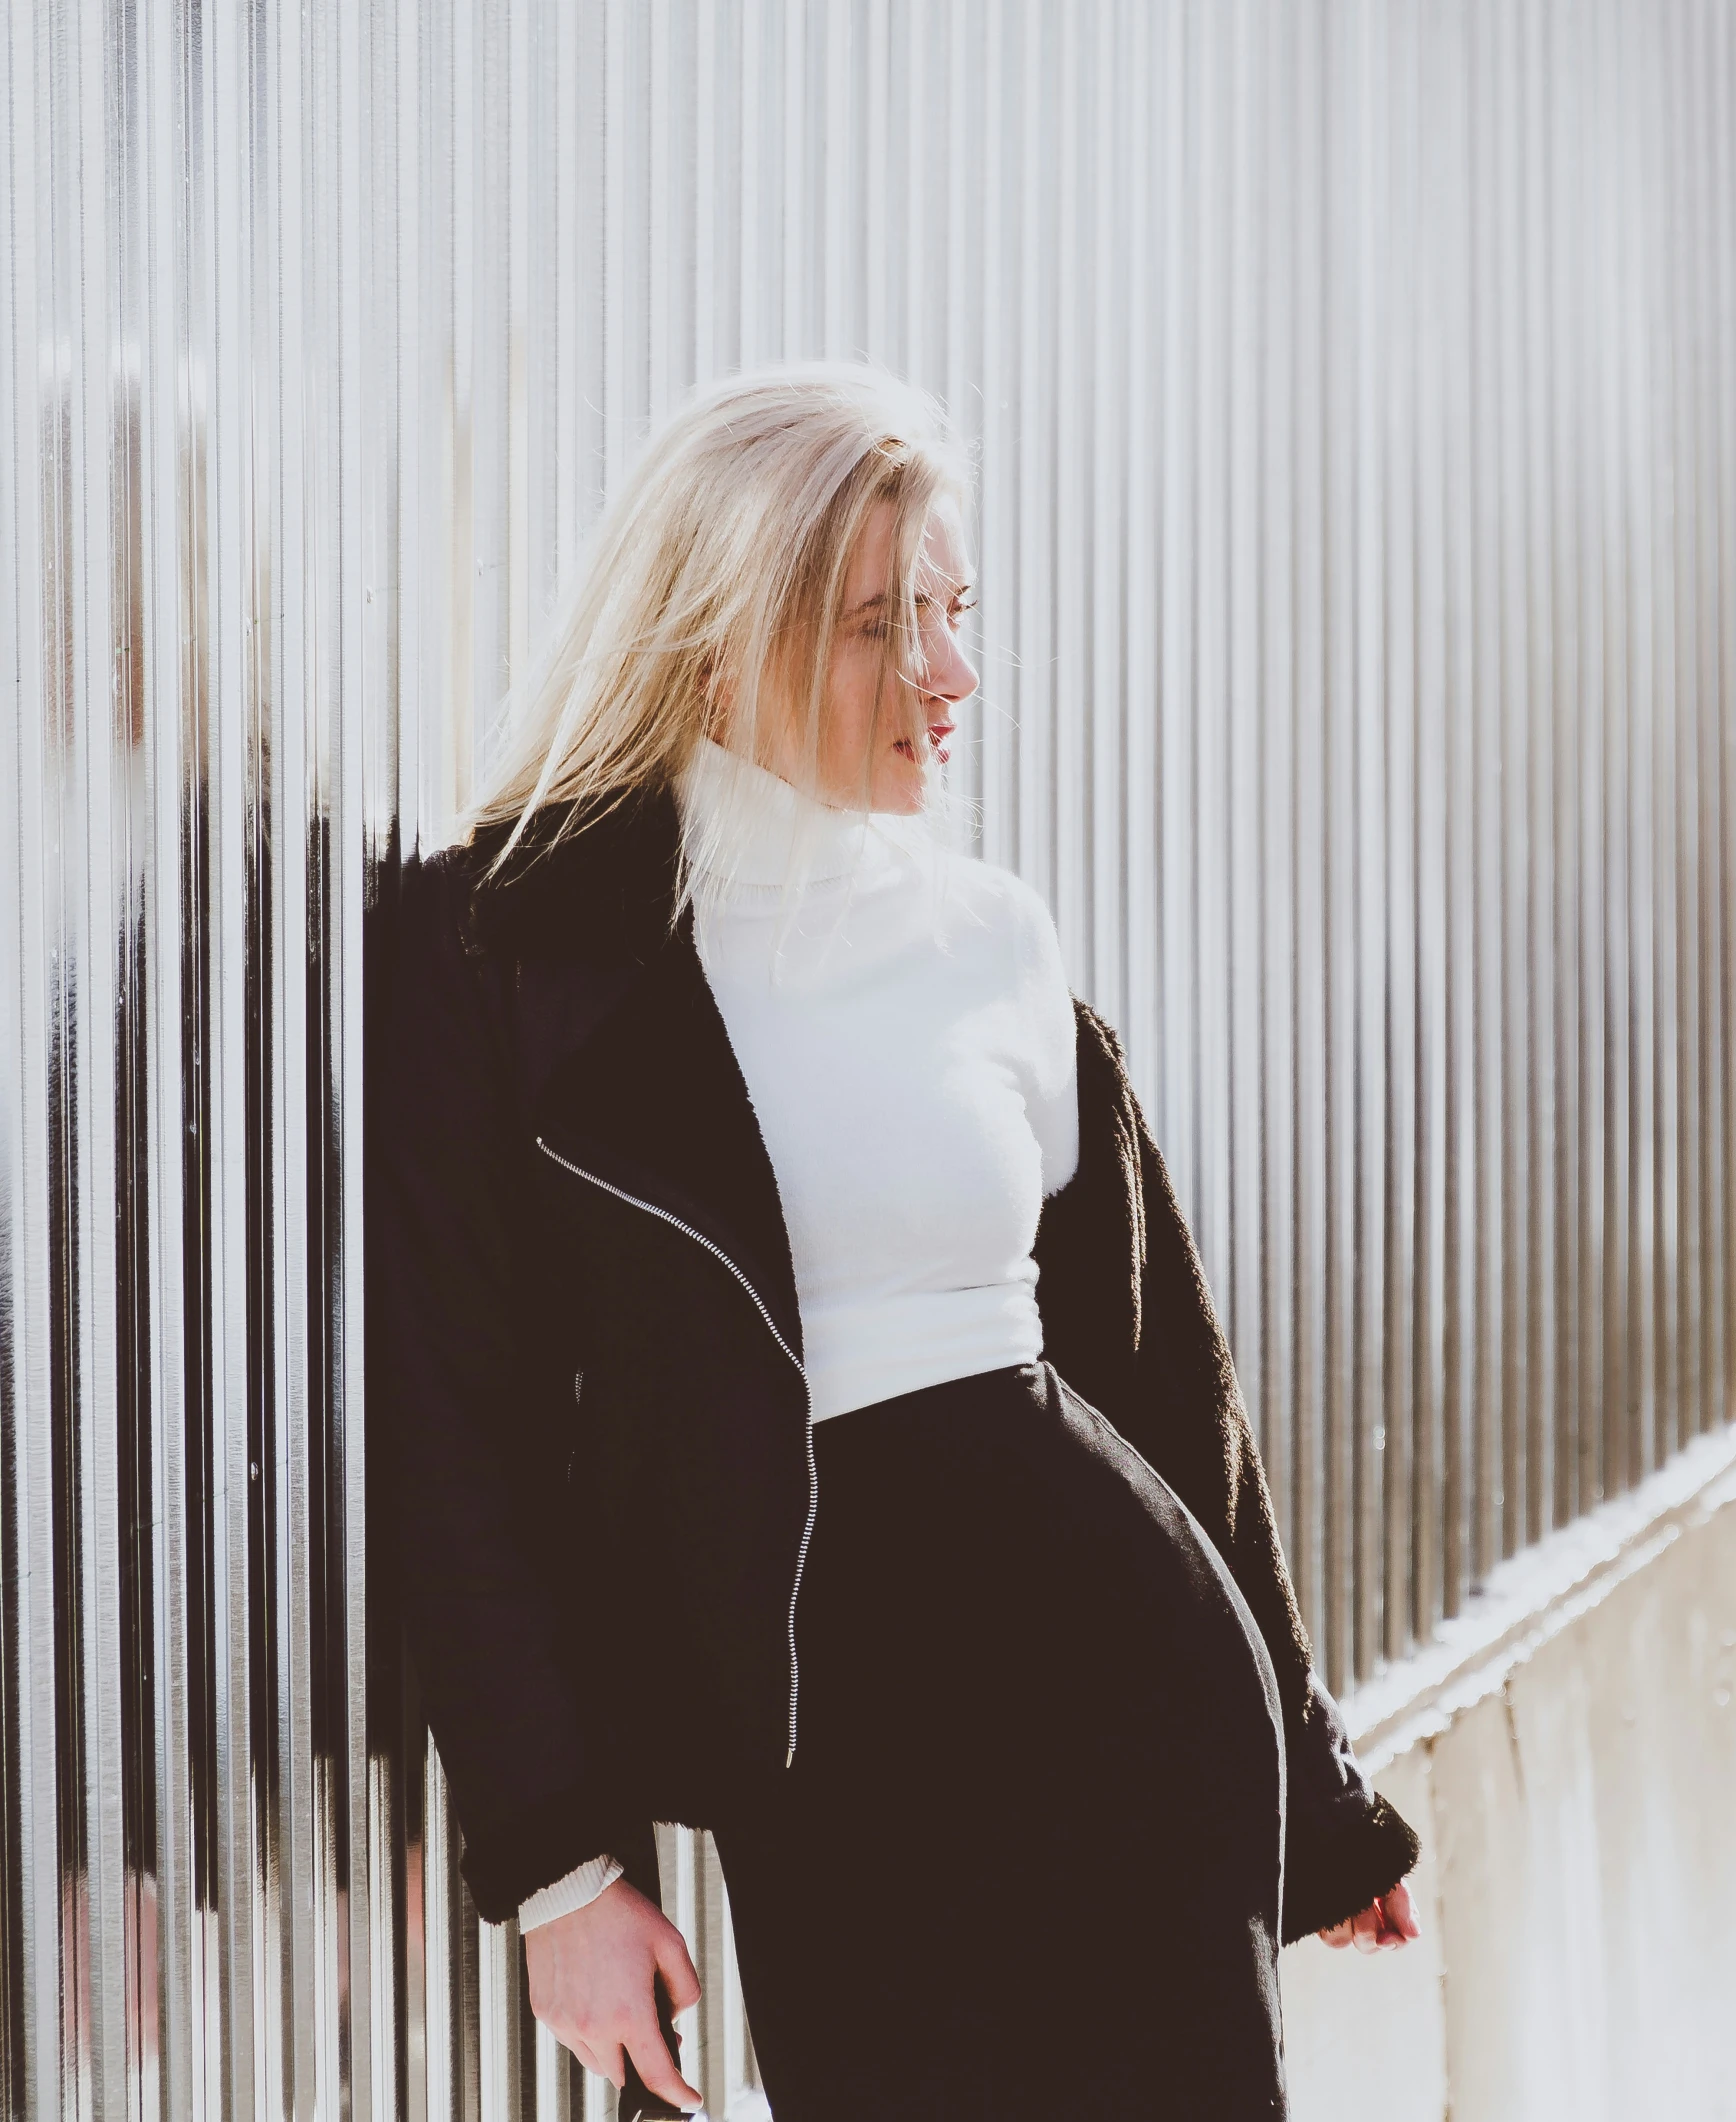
(717, 573)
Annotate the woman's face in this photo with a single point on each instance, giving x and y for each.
(916, 720)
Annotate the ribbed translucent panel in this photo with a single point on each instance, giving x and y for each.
(1355, 389)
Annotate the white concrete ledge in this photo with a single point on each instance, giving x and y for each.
(1532, 1597)
(1566, 1749)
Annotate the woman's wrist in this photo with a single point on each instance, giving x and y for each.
(581, 1886)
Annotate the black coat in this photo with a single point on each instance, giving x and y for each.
(588, 1416)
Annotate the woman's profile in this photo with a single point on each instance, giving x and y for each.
(804, 1413)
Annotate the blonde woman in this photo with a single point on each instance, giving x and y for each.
(806, 1415)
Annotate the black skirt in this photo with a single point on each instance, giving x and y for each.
(1027, 1861)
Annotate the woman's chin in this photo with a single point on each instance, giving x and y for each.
(902, 783)
(900, 786)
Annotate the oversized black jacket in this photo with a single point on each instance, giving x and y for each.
(588, 1422)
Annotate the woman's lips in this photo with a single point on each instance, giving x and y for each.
(938, 732)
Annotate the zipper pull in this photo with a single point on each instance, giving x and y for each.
(789, 1757)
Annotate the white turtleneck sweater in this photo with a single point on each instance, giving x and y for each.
(905, 1028)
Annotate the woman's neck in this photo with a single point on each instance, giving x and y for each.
(741, 820)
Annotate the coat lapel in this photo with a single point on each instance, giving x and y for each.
(629, 1072)
(653, 1101)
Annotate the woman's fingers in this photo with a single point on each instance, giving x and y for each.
(679, 1975)
(589, 2057)
(1388, 1920)
(653, 2062)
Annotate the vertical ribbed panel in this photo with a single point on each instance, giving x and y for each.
(1355, 389)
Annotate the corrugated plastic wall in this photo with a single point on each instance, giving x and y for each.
(1355, 382)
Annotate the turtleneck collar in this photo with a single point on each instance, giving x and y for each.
(749, 826)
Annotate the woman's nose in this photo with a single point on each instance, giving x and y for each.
(950, 674)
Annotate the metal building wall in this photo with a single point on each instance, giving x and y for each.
(1355, 382)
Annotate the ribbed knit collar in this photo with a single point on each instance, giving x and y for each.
(748, 825)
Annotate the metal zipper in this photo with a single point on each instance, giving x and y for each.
(573, 1455)
(717, 1252)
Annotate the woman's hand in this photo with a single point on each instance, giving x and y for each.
(1389, 1919)
(591, 1985)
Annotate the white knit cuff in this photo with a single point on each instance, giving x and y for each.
(580, 1887)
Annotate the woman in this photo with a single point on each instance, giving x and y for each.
(806, 1415)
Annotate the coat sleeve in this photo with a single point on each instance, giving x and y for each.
(443, 1390)
(1154, 1349)
(1344, 1843)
